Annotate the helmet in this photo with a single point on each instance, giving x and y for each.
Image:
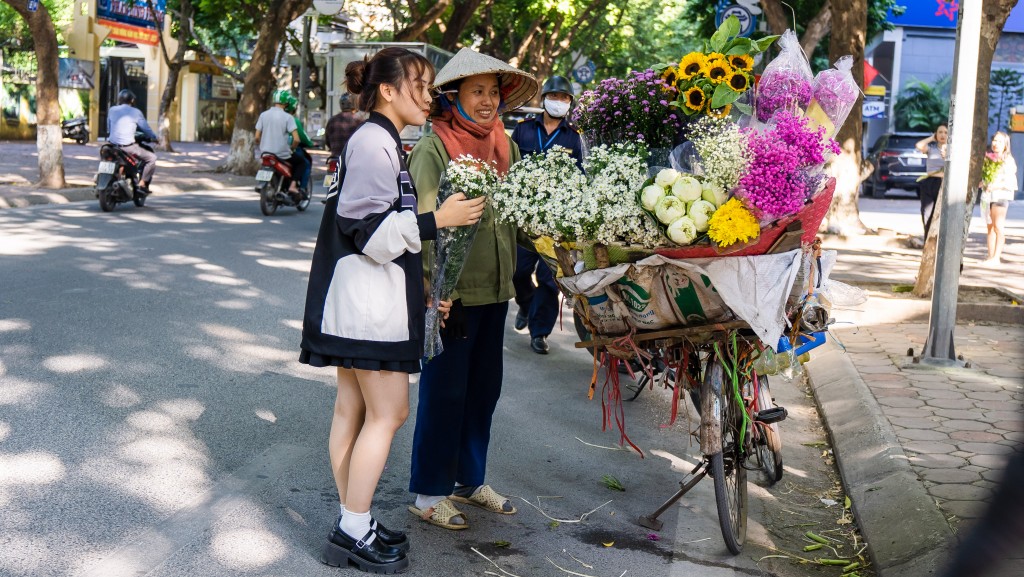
(283, 96)
(345, 102)
(291, 106)
(125, 96)
(557, 84)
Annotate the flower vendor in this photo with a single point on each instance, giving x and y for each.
(364, 304)
(459, 389)
(538, 303)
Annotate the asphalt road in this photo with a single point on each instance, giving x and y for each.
(154, 421)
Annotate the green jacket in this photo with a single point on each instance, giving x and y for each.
(487, 276)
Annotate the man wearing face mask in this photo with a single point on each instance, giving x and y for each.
(538, 302)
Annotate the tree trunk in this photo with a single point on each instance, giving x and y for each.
(850, 22)
(49, 141)
(776, 15)
(421, 23)
(463, 13)
(163, 128)
(817, 28)
(993, 18)
(259, 82)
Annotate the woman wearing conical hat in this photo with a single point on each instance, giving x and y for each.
(459, 389)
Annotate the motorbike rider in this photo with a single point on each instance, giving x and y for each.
(342, 125)
(538, 302)
(304, 144)
(123, 121)
(277, 133)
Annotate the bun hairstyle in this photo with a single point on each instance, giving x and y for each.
(389, 66)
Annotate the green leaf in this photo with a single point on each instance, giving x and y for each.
(766, 42)
(740, 46)
(846, 505)
(718, 39)
(744, 107)
(502, 544)
(723, 95)
(732, 26)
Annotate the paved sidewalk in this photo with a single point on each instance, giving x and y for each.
(192, 166)
(921, 449)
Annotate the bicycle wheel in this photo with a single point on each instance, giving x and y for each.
(726, 464)
(769, 445)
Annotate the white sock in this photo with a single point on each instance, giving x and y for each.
(424, 502)
(341, 513)
(356, 525)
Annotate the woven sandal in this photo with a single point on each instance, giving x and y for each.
(486, 498)
(441, 515)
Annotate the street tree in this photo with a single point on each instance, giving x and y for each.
(993, 19)
(48, 135)
(273, 19)
(183, 12)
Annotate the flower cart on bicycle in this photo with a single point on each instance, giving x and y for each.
(694, 264)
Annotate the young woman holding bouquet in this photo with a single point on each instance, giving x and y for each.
(998, 191)
(365, 301)
(459, 388)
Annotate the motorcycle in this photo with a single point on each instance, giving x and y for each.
(76, 129)
(272, 182)
(117, 178)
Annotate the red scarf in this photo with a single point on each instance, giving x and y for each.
(461, 136)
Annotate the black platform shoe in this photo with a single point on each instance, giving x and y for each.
(373, 557)
(396, 539)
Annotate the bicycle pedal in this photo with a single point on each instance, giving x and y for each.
(772, 415)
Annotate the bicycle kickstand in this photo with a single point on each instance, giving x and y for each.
(651, 521)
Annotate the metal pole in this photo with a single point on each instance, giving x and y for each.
(307, 22)
(939, 348)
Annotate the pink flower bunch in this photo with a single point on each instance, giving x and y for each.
(782, 90)
(782, 170)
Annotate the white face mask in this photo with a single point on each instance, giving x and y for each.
(556, 109)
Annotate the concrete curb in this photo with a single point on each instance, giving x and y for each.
(907, 534)
(177, 185)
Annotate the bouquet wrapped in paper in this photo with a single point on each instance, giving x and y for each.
(474, 178)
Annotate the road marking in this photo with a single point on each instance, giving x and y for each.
(144, 553)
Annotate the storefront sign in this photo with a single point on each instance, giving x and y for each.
(745, 11)
(133, 21)
(223, 88)
(943, 14)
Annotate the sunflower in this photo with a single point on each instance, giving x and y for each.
(738, 81)
(720, 112)
(691, 65)
(741, 62)
(717, 70)
(695, 99)
(716, 56)
(669, 75)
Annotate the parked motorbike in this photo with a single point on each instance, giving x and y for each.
(117, 178)
(273, 181)
(76, 129)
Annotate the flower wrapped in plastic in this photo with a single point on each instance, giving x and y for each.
(474, 178)
(786, 81)
(835, 94)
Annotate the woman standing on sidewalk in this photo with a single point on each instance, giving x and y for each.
(459, 388)
(997, 195)
(935, 147)
(365, 302)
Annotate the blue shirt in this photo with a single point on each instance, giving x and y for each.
(122, 121)
(532, 138)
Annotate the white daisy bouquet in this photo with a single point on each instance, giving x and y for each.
(610, 213)
(722, 149)
(543, 195)
(474, 178)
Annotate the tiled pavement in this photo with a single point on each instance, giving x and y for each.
(956, 426)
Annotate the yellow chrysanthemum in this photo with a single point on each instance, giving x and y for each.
(717, 70)
(742, 62)
(720, 112)
(691, 65)
(669, 75)
(738, 81)
(694, 98)
(732, 223)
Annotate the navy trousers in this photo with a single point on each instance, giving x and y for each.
(540, 300)
(459, 391)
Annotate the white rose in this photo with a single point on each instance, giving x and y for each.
(650, 196)
(687, 188)
(714, 194)
(682, 230)
(666, 177)
(669, 209)
(700, 213)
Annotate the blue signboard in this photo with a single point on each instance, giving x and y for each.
(132, 13)
(744, 10)
(943, 14)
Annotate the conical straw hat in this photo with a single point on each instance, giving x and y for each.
(517, 87)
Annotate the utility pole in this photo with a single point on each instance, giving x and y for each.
(939, 348)
(307, 21)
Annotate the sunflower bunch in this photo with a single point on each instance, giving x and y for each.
(711, 82)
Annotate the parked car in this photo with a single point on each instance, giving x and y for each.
(896, 163)
(512, 118)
